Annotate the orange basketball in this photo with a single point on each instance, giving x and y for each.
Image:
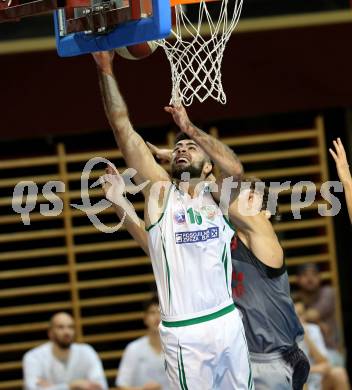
(138, 51)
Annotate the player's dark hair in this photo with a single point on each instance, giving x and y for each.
(182, 136)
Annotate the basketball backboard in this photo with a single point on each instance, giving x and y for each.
(85, 26)
(110, 24)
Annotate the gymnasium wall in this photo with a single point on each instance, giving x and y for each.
(265, 71)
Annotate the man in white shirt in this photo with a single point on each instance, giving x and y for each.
(61, 364)
(142, 366)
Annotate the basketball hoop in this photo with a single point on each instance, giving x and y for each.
(87, 26)
(195, 59)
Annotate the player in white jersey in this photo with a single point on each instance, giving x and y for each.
(189, 243)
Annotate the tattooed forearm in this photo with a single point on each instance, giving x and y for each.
(114, 104)
(221, 154)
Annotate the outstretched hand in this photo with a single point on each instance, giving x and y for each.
(180, 117)
(339, 155)
(104, 60)
(113, 185)
(164, 155)
(114, 188)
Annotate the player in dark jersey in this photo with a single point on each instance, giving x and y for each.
(261, 291)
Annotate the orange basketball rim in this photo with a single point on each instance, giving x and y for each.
(176, 2)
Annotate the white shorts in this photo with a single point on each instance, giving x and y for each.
(210, 355)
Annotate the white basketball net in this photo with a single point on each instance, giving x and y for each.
(196, 59)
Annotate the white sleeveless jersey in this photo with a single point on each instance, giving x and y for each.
(190, 252)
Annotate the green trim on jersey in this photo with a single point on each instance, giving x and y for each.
(162, 214)
(223, 253)
(167, 268)
(198, 320)
(224, 260)
(229, 223)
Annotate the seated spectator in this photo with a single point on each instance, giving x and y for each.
(322, 375)
(320, 304)
(61, 364)
(142, 366)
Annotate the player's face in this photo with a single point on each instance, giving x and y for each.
(152, 318)
(255, 200)
(309, 280)
(187, 156)
(251, 200)
(62, 331)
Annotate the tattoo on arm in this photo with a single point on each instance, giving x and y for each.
(114, 104)
(131, 144)
(221, 154)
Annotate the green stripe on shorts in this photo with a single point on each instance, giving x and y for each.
(198, 320)
(179, 372)
(183, 371)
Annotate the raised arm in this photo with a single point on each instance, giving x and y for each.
(134, 149)
(256, 230)
(163, 155)
(137, 231)
(339, 155)
(112, 186)
(227, 161)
